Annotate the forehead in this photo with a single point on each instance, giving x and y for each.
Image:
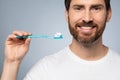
(87, 2)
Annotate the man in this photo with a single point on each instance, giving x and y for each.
(86, 58)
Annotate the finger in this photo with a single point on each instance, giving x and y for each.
(11, 37)
(27, 42)
(21, 33)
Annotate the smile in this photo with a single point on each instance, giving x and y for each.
(86, 29)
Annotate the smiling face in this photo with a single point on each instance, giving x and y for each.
(87, 19)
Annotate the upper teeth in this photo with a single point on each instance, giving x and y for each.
(86, 27)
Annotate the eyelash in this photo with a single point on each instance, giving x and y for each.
(97, 8)
(94, 9)
(77, 8)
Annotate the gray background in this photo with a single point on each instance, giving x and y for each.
(45, 17)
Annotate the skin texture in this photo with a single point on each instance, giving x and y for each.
(15, 50)
(91, 16)
(86, 20)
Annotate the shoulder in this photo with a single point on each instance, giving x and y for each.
(53, 59)
(114, 55)
(56, 57)
(41, 68)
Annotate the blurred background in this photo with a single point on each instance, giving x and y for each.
(46, 17)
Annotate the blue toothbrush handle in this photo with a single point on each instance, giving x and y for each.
(39, 36)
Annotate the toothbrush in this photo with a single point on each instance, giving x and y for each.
(56, 36)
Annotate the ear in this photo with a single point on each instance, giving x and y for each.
(66, 15)
(109, 14)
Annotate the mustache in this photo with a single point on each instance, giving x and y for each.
(91, 24)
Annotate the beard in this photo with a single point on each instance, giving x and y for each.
(87, 39)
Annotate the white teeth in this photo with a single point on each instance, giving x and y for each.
(86, 27)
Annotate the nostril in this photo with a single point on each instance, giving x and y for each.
(88, 21)
(87, 17)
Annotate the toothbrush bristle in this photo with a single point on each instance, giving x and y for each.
(58, 36)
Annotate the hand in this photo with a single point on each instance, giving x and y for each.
(15, 49)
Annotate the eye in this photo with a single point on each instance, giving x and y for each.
(78, 7)
(96, 9)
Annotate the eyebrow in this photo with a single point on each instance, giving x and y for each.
(78, 5)
(97, 5)
(94, 5)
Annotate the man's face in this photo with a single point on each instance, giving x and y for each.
(87, 19)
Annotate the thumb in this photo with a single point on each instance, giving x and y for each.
(27, 42)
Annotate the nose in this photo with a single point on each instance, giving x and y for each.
(87, 17)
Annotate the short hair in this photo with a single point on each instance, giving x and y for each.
(67, 4)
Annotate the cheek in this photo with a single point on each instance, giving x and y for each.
(100, 19)
(74, 18)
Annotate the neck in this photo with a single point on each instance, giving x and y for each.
(91, 52)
